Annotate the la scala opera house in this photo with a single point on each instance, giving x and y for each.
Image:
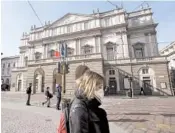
(116, 44)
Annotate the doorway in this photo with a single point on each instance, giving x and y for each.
(19, 85)
(112, 86)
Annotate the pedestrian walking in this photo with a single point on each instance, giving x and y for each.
(106, 90)
(85, 115)
(28, 92)
(142, 91)
(58, 93)
(48, 97)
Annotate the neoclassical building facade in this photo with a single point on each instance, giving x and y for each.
(115, 44)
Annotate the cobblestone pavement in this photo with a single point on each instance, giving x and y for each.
(138, 115)
(143, 114)
(16, 121)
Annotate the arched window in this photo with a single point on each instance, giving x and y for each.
(37, 55)
(2, 81)
(3, 65)
(52, 53)
(8, 64)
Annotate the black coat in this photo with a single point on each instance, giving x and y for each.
(58, 93)
(87, 117)
(29, 90)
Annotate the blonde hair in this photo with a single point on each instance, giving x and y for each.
(88, 82)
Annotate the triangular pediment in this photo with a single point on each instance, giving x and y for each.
(70, 18)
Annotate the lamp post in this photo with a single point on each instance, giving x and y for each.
(131, 86)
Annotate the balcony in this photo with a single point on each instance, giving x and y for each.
(69, 59)
(136, 61)
(16, 69)
(139, 23)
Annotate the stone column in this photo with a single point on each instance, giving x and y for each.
(125, 46)
(76, 47)
(20, 61)
(43, 51)
(150, 48)
(95, 47)
(146, 47)
(23, 60)
(100, 44)
(46, 51)
(39, 83)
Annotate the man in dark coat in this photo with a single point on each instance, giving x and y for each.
(29, 91)
(58, 93)
(142, 91)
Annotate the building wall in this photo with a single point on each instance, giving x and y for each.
(6, 69)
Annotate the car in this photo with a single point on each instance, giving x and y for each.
(5, 87)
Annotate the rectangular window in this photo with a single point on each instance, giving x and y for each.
(139, 53)
(2, 71)
(8, 71)
(144, 71)
(111, 72)
(107, 21)
(110, 53)
(86, 25)
(68, 29)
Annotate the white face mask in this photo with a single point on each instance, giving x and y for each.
(99, 94)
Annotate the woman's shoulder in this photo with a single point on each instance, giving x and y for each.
(78, 104)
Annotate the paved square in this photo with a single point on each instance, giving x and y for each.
(143, 114)
(138, 115)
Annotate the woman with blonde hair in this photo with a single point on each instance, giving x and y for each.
(85, 114)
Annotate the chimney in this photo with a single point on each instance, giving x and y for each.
(45, 22)
(34, 26)
(31, 27)
(93, 12)
(97, 10)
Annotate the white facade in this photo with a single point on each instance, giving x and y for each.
(7, 64)
(169, 51)
(102, 40)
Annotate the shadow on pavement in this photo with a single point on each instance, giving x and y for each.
(168, 115)
(137, 114)
(128, 120)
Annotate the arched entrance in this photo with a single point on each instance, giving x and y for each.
(147, 79)
(38, 83)
(57, 79)
(19, 82)
(112, 81)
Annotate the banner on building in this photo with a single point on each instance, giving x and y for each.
(126, 83)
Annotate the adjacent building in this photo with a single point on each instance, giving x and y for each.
(169, 51)
(116, 44)
(7, 64)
